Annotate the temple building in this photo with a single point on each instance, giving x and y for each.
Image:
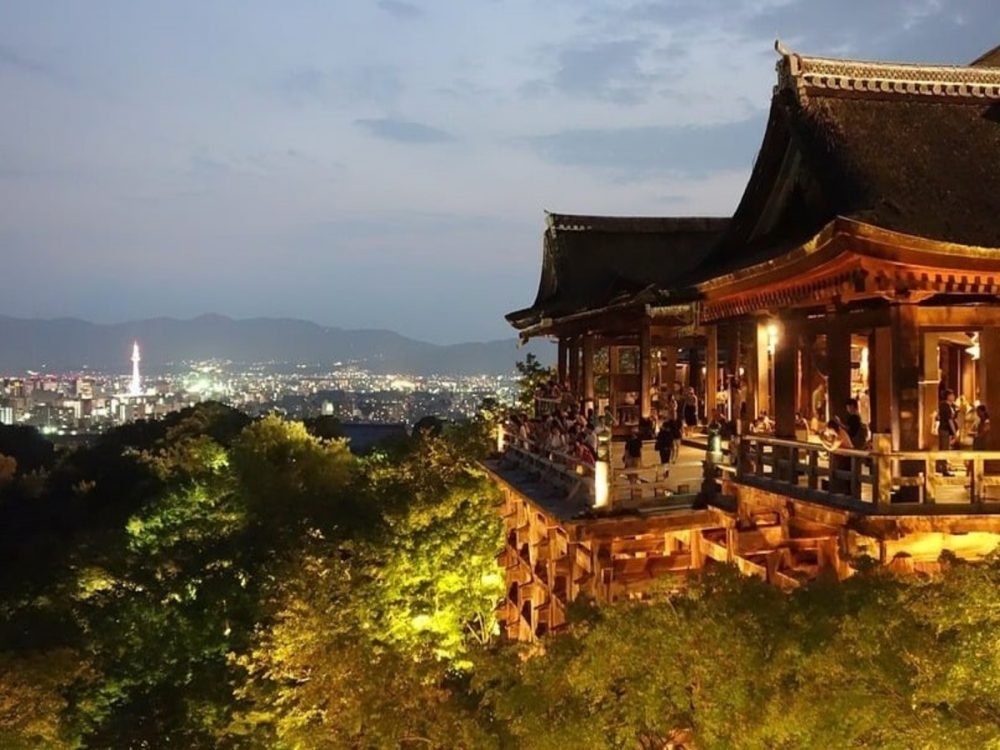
(857, 281)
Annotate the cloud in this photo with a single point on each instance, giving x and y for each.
(400, 9)
(637, 153)
(307, 84)
(607, 70)
(404, 131)
(15, 61)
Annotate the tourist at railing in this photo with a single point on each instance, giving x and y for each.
(947, 428)
(833, 438)
(856, 428)
(981, 429)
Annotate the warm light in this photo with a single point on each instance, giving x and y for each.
(772, 337)
(743, 371)
(601, 488)
(863, 364)
(500, 436)
(973, 350)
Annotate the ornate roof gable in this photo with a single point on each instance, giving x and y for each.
(823, 76)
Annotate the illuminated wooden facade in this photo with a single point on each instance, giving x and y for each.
(864, 257)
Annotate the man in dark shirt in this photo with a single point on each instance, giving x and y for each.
(633, 450)
(856, 429)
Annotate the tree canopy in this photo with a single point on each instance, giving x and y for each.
(212, 581)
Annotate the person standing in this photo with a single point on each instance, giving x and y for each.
(665, 441)
(947, 428)
(690, 409)
(981, 434)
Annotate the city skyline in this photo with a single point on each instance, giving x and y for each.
(180, 159)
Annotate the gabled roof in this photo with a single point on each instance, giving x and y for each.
(590, 262)
(908, 148)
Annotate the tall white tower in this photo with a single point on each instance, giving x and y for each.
(135, 386)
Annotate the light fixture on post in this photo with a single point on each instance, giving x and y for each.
(772, 337)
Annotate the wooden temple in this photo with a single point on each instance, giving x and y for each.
(862, 262)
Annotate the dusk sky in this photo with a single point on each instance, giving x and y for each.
(383, 163)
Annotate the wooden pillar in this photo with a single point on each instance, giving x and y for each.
(785, 356)
(574, 366)
(561, 357)
(645, 365)
(759, 372)
(930, 383)
(734, 360)
(614, 364)
(988, 374)
(905, 409)
(711, 371)
(588, 372)
(668, 370)
(880, 379)
(838, 357)
(806, 375)
(694, 369)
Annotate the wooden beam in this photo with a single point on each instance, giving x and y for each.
(930, 384)
(574, 367)
(588, 371)
(760, 371)
(880, 379)
(668, 370)
(838, 357)
(645, 375)
(711, 371)
(989, 377)
(785, 361)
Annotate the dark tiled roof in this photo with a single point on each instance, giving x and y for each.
(590, 262)
(913, 149)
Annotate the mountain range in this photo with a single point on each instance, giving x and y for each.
(68, 344)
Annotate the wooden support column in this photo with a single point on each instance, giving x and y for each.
(906, 392)
(668, 370)
(758, 372)
(645, 365)
(930, 384)
(711, 371)
(838, 357)
(989, 378)
(588, 372)
(880, 379)
(785, 375)
(561, 357)
(694, 369)
(614, 364)
(806, 375)
(574, 367)
(734, 360)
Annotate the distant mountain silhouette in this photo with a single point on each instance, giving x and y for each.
(69, 344)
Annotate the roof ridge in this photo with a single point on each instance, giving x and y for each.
(594, 222)
(805, 75)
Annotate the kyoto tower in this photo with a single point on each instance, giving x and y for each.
(135, 385)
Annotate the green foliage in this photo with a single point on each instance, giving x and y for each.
(213, 582)
(531, 376)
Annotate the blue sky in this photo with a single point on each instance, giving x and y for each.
(382, 163)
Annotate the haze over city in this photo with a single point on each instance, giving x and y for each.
(381, 164)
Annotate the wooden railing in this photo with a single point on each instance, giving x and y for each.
(544, 406)
(559, 469)
(652, 482)
(868, 476)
